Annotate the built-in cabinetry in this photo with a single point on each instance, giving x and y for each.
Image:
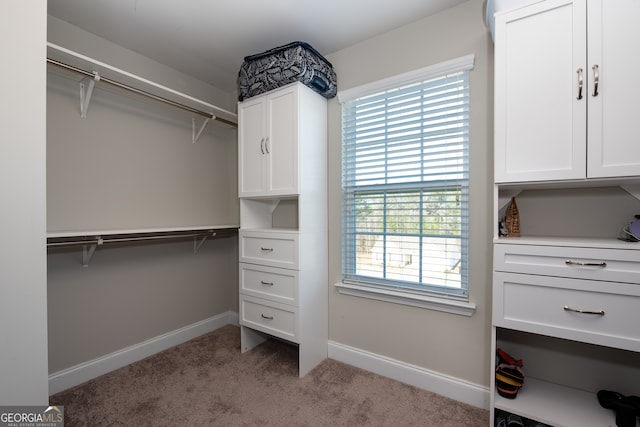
(565, 91)
(566, 294)
(283, 267)
(268, 148)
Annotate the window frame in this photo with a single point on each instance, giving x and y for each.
(431, 298)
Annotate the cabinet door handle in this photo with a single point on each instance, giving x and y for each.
(262, 145)
(266, 283)
(266, 317)
(266, 145)
(596, 79)
(575, 310)
(580, 83)
(266, 249)
(586, 264)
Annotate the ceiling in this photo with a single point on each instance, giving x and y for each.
(208, 39)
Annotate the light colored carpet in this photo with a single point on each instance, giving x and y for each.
(208, 382)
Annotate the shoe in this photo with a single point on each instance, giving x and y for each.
(509, 375)
(635, 402)
(626, 408)
(514, 421)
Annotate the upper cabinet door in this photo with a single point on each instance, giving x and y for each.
(613, 141)
(252, 128)
(540, 92)
(268, 144)
(282, 142)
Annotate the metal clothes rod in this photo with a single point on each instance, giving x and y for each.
(141, 92)
(90, 242)
(59, 242)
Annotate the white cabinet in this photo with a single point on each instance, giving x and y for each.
(566, 293)
(283, 247)
(565, 91)
(269, 283)
(268, 136)
(579, 290)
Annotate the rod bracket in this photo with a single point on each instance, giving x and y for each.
(198, 244)
(85, 95)
(195, 136)
(89, 250)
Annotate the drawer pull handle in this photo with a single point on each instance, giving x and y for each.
(596, 79)
(580, 83)
(266, 283)
(266, 317)
(586, 264)
(266, 249)
(575, 310)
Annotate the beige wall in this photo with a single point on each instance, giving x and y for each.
(449, 344)
(130, 164)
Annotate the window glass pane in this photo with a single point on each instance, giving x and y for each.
(405, 173)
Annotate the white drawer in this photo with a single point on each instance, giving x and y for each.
(614, 265)
(549, 306)
(274, 249)
(276, 319)
(276, 284)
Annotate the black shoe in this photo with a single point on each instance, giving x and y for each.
(626, 409)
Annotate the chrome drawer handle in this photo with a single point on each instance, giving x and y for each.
(596, 79)
(580, 83)
(266, 283)
(586, 264)
(266, 249)
(575, 310)
(266, 317)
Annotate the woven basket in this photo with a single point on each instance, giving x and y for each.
(512, 219)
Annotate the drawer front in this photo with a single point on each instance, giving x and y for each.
(276, 284)
(602, 313)
(274, 250)
(614, 265)
(270, 317)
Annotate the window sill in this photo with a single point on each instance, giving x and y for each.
(429, 302)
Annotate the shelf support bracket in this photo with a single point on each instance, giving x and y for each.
(198, 244)
(89, 250)
(195, 136)
(633, 189)
(85, 96)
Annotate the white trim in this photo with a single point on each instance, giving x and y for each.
(451, 387)
(86, 371)
(459, 64)
(447, 305)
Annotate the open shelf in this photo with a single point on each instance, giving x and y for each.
(91, 239)
(557, 405)
(97, 72)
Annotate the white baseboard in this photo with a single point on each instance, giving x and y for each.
(86, 371)
(454, 388)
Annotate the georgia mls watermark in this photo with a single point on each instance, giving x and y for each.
(31, 416)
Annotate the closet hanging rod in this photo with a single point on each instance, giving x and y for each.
(105, 240)
(142, 92)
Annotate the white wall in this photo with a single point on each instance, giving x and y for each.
(447, 344)
(23, 292)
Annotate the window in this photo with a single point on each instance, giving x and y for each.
(405, 174)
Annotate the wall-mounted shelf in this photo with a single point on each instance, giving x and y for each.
(90, 240)
(99, 72)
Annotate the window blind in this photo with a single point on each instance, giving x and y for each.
(405, 186)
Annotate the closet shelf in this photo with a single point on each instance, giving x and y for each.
(90, 240)
(96, 71)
